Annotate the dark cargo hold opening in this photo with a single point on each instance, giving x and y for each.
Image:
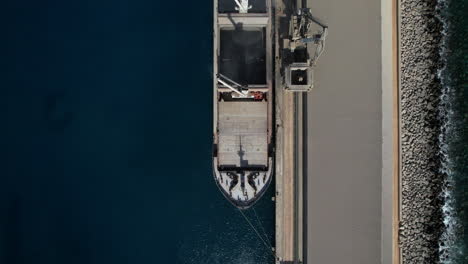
(242, 55)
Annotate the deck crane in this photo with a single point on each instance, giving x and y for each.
(243, 6)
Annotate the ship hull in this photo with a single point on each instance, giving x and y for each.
(243, 158)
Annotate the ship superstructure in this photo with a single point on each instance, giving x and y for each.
(243, 99)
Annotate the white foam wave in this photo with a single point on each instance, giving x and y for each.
(448, 249)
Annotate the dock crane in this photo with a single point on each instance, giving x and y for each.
(302, 48)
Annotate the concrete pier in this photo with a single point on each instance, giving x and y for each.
(353, 136)
(289, 180)
(289, 161)
(337, 200)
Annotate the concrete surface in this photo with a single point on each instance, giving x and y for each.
(345, 137)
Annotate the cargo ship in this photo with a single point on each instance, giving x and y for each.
(243, 152)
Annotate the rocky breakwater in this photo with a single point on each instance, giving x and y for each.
(421, 182)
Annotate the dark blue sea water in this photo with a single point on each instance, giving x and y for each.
(106, 129)
(454, 137)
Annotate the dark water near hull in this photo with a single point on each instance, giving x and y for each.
(454, 137)
(106, 139)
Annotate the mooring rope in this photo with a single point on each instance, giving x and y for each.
(263, 229)
(270, 249)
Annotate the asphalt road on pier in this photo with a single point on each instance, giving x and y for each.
(344, 137)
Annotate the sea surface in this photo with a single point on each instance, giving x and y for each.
(454, 135)
(106, 132)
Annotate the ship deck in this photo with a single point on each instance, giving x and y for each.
(242, 123)
(243, 54)
(243, 137)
